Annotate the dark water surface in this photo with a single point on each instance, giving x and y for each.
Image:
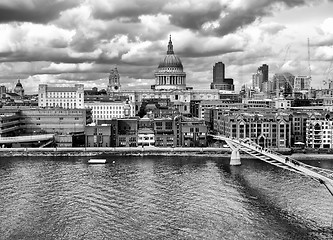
(160, 198)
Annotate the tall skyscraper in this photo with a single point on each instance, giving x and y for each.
(264, 70)
(218, 72)
(257, 79)
(219, 80)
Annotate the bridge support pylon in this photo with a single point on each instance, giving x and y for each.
(235, 158)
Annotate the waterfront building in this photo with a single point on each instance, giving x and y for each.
(128, 132)
(268, 128)
(319, 130)
(55, 120)
(193, 132)
(165, 132)
(298, 127)
(146, 137)
(102, 134)
(63, 97)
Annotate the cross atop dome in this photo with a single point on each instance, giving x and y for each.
(170, 47)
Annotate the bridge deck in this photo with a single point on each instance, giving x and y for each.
(324, 176)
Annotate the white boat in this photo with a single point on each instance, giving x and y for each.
(95, 161)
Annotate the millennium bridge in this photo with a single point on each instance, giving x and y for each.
(247, 146)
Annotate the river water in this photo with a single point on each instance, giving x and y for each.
(160, 198)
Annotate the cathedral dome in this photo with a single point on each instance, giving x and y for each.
(171, 61)
(19, 88)
(170, 74)
(18, 84)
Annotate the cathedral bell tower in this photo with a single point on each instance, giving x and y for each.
(114, 83)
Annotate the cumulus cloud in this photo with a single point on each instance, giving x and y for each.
(80, 40)
(37, 11)
(126, 11)
(188, 14)
(272, 28)
(325, 33)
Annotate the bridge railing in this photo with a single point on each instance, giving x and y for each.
(326, 172)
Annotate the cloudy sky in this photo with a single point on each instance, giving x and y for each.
(79, 41)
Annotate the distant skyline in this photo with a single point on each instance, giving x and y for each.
(80, 41)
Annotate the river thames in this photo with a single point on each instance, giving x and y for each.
(162, 197)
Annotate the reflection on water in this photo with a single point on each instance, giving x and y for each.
(159, 197)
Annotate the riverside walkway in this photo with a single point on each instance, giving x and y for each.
(324, 176)
(24, 139)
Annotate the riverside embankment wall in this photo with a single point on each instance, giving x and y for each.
(152, 151)
(95, 151)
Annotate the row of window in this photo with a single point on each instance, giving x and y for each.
(106, 107)
(60, 94)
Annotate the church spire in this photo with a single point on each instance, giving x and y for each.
(170, 47)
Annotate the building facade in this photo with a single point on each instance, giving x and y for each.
(55, 120)
(270, 129)
(63, 97)
(104, 108)
(319, 130)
